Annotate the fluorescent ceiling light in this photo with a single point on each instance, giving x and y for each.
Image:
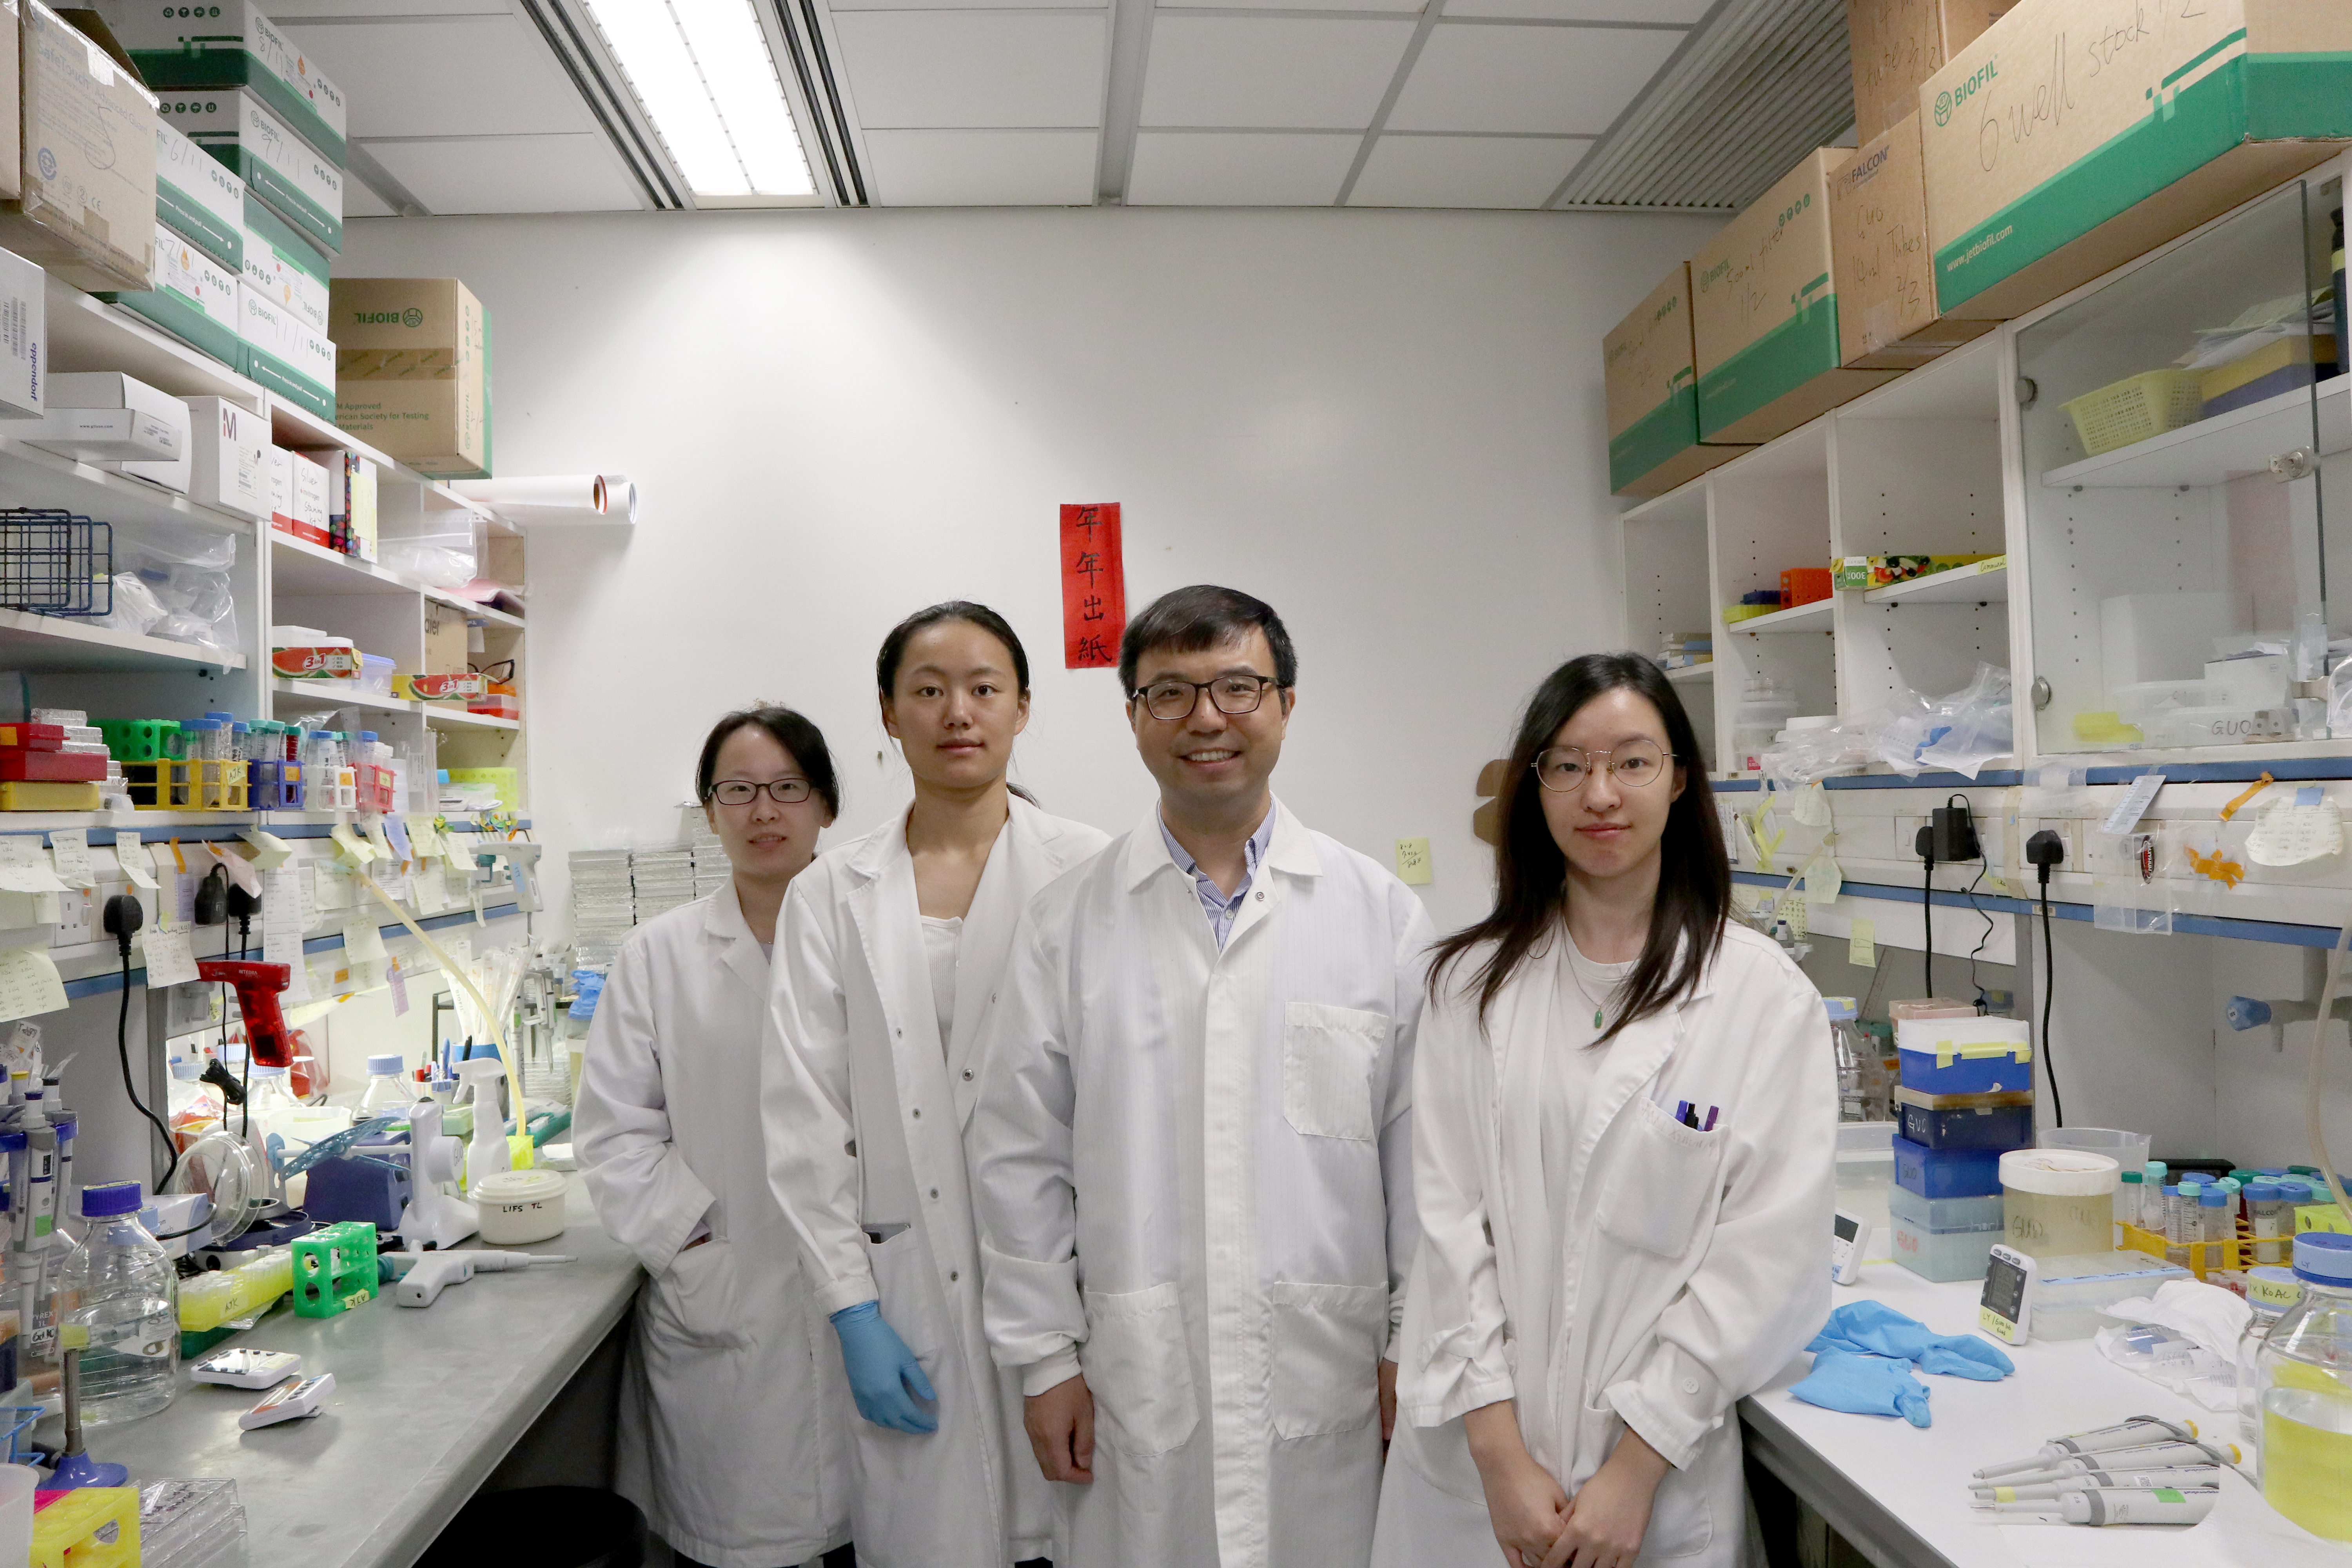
(703, 70)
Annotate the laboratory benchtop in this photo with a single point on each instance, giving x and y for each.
(1899, 1493)
(427, 1401)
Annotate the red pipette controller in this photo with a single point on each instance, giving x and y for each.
(267, 1038)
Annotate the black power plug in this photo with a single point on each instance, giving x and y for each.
(212, 897)
(123, 919)
(1952, 828)
(2043, 851)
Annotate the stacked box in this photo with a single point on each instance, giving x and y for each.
(284, 353)
(232, 44)
(1886, 311)
(413, 372)
(1896, 44)
(285, 174)
(198, 198)
(194, 298)
(1965, 1098)
(1649, 369)
(83, 174)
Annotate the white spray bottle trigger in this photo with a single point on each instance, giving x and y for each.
(487, 1154)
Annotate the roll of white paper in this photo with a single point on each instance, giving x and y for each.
(562, 498)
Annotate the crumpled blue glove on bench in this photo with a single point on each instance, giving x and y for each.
(1865, 1385)
(1873, 1328)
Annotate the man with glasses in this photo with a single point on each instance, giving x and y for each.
(1190, 1151)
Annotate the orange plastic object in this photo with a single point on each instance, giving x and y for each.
(1803, 585)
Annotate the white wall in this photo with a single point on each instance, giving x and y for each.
(1388, 424)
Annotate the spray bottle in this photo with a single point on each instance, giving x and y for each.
(487, 1153)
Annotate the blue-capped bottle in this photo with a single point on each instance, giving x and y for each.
(122, 1287)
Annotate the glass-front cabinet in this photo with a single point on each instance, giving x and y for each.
(2179, 428)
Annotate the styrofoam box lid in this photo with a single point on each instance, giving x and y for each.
(2058, 1173)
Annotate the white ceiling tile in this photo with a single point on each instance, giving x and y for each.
(359, 199)
(511, 173)
(302, 11)
(1409, 7)
(1220, 169)
(961, 69)
(444, 76)
(1572, 79)
(982, 168)
(1277, 71)
(1685, 12)
(840, 6)
(1465, 170)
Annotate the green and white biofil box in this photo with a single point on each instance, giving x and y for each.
(1764, 316)
(194, 300)
(2074, 135)
(1651, 379)
(230, 44)
(282, 353)
(198, 198)
(289, 175)
(282, 265)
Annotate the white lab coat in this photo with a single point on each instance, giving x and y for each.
(1192, 1170)
(1690, 1265)
(855, 1060)
(733, 1406)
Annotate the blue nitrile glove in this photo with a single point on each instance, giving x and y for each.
(1865, 1385)
(1873, 1328)
(884, 1375)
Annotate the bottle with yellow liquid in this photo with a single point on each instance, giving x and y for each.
(2306, 1379)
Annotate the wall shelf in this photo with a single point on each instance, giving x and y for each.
(338, 694)
(2226, 446)
(101, 493)
(1808, 617)
(449, 718)
(54, 643)
(1691, 674)
(1982, 583)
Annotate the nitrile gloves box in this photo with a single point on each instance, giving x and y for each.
(199, 198)
(194, 300)
(284, 354)
(297, 182)
(231, 43)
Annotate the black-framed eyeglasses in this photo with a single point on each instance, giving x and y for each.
(503, 671)
(1564, 769)
(743, 792)
(1173, 699)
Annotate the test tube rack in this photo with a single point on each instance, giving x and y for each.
(334, 1268)
(193, 783)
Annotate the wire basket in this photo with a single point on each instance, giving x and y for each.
(2136, 408)
(55, 563)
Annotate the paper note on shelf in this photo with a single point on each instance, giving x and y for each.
(241, 869)
(133, 864)
(423, 838)
(1862, 943)
(1413, 863)
(29, 983)
(2134, 805)
(397, 831)
(70, 850)
(171, 956)
(281, 926)
(396, 979)
(362, 943)
(1823, 880)
(270, 851)
(24, 870)
(2290, 833)
(355, 849)
(1812, 807)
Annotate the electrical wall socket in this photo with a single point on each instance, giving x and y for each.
(190, 1007)
(75, 927)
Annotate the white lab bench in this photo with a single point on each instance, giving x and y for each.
(1899, 1494)
(427, 1404)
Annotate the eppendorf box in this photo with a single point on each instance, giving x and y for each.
(1651, 378)
(2055, 154)
(231, 43)
(1765, 323)
(413, 372)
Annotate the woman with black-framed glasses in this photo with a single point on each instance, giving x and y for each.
(734, 1417)
(1624, 1117)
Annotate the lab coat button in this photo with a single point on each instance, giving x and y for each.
(917, 1115)
(850, 1148)
(967, 1075)
(935, 1193)
(1261, 898)
(1690, 1384)
(954, 1275)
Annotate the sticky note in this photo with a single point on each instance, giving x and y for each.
(24, 870)
(1812, 807)
(29, 983)
(1823, 880)
(270, 851)
(1413, 864)
(2134, 805)
(70, 850)
(362, 943)
(397, 981)
(240, 870)
(1862, 946)
(2309, 795)
(133, 864)
(171, 956)
(355, 848)
(395, 830)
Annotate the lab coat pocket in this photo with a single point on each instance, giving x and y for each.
(1138, 1366)
(693, 1304)
(1328, 1341)
(1661, 1176)
(1330, 1061)
(902, 1279)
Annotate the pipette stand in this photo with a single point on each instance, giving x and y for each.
(433, 1218)
(75, 1467)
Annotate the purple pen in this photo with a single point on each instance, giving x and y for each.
(1710, 1119)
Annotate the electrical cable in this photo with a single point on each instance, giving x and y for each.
(2048, 994)
(123, 917)
(1927, 923)
(1973, 981)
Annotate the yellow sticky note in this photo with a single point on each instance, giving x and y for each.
(29, 983)
(355, 849)
(1413, 863)
(1862, 947)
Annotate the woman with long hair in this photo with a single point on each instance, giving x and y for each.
(733, 1410)
(891, 947)
(1624, 1110)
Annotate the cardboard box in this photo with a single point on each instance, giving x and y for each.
(1898, 44)
(1765, 316)
(1879, 255)
(286, 174)
(2199, 114)
(228, 45)
(229, 461)
(413, 372)
(194, 300)
(284, 354)
(309, 498)
(85, 206)
(105, 417)
(198, 198)
(286, 279)
(1651, 378)
(444, 639)
(24, 338)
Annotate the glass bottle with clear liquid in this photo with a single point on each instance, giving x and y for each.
(387, 1092)
(2304, 1376)
(123, 1289)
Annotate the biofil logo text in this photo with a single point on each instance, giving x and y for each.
(412, 317)
(1946, 102)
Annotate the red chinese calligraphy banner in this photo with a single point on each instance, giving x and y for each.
(1093, 587)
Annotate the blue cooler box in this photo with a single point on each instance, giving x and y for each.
(1965, 1120)
(1947, 1172)
(1980, 1055)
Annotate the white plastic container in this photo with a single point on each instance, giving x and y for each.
(2060, 1203)
(518, 1207)
(17, 1484)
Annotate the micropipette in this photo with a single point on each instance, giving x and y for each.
(2139, 1480)
(2138, 1431)
(2155, 1456)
